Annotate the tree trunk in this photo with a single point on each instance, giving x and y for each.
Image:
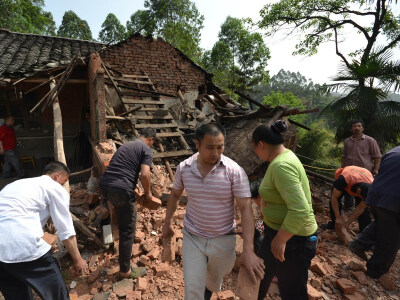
(59, 154)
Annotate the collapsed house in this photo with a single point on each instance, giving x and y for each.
(136, 83)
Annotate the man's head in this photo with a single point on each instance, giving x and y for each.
(57, 171)
(9, 121)
(210, 142)
(148, 136)
(362, 190)
(357, 127)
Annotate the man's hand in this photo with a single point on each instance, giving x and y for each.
(80, 266)
(167, 230)
(278, 247)
(347, 226)
(149, 197)
(375, 172)
(339, 222)
(254, 265)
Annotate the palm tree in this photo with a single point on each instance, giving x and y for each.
(367, 83)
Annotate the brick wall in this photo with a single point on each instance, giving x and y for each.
(167, 67)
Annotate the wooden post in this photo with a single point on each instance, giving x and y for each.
(59, 153)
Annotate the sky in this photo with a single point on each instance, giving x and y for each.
(321, 67)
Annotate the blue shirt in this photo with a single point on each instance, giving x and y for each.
(385, 190)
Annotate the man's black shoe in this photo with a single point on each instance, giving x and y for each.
(357, 251)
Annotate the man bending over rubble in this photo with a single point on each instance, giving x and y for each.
(349, 179)
(212, 181)
(25, 258)
(118, 184)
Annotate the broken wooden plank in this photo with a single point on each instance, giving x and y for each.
(131, 110)
(112, 80)
(172, 153)
(86, 231)
(42, 84)
(133, 81)
(154, 109)
(144, 91)
(297, 111)
(138, 101)
(156, 126)
(168, 134)
(167, 117)
(268, 108)
(299, 124)
(117, 118)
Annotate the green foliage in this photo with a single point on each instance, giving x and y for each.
(318, 144)
(311, 94)
(366, 79)
(26, 16)
(238, 59)
(323, 20)
(112, 30)
(281, 99)
(74, 27)
(176, 21)
(366, 100)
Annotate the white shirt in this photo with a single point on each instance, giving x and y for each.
(25, 207)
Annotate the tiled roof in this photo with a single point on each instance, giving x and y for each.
(23, 54)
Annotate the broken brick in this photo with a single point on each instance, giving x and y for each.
(141, 284)
(168, 253)
(355, 296)
(360, 276)
(318, 268)
(93, 260)
(152, 204)
(122, 287)
(161, 269)
(334, 261)
(139, 236)
(226, 295)
(346, 286)
(154, 253)
(134, 295)
(313, 294)
(356, 266)
(95, 274)
(144, 260)
(136, 251)
(50, 239)
(344, 235)
(147, 247)
(245, 287)
(316, 283)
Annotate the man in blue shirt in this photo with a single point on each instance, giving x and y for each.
(384, 200)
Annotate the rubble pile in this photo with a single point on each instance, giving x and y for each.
(335, 273)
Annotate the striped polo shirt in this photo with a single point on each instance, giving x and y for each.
(210, 209)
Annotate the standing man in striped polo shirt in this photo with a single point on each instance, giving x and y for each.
(212, 181)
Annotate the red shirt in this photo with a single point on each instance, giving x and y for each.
(7, 136)
(354, 175)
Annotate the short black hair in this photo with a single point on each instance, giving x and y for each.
(212, 129)
(56, 166)
(270, 134)
(148, 132)
(357, 121)
(8, 117)
(364, 189)
(254, 187)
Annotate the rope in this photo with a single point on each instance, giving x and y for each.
(319, 168)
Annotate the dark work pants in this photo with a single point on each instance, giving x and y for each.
(292, 274)
(366, 239)
(387, 241)
(42, 274)
(125, 208)
(363, 221)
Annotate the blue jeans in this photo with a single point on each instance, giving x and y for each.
(292, 274)
(11, 160)
(42, 274)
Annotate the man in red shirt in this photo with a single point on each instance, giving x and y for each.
(9, 140)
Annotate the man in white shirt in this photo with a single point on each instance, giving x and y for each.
(25, 258)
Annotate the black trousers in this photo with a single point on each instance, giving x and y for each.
(387, 241)
(292, 274)
(125, 208)
(363, 220)
(42, 274)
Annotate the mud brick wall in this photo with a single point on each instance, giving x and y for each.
(166, 66)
